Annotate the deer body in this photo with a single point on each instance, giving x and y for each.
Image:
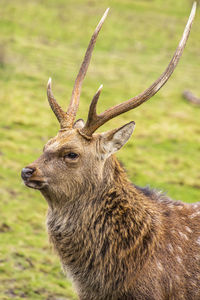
(126, 243)
(118, 241)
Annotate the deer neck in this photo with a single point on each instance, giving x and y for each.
(82, 233)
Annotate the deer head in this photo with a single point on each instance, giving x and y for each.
(75, 159)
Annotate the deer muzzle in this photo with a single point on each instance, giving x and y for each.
(32, 179)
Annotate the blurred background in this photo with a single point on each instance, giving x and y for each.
(48, 38)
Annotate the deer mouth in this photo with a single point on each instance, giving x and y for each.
(35, 184)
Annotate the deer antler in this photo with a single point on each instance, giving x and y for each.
(66, 120)
(94, 121)
(60, 114)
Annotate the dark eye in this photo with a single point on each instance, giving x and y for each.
(71, 155)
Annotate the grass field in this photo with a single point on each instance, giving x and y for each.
(47, 38)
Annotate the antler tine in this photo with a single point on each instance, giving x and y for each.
(74, 103)
(95, 122)
(92, 115)
(60, 114)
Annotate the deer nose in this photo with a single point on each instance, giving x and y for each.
(27, 173)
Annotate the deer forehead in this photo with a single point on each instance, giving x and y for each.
(61, 139)
(67, 138)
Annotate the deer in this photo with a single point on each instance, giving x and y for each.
(117, 241)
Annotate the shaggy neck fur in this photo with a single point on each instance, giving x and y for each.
(95, 233)
(121, 242)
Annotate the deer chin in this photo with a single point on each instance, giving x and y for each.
(35, 184)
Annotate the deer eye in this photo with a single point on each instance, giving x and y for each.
(71, 155)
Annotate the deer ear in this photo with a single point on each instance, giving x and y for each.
(79, 124)
(113, 140)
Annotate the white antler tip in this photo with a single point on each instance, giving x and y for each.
(99, 89)
(105, 14)
(195, 4)
(49, 82)
(193, 11)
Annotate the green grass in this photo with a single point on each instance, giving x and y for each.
(42, 39)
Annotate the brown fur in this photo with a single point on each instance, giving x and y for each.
(118, 241)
